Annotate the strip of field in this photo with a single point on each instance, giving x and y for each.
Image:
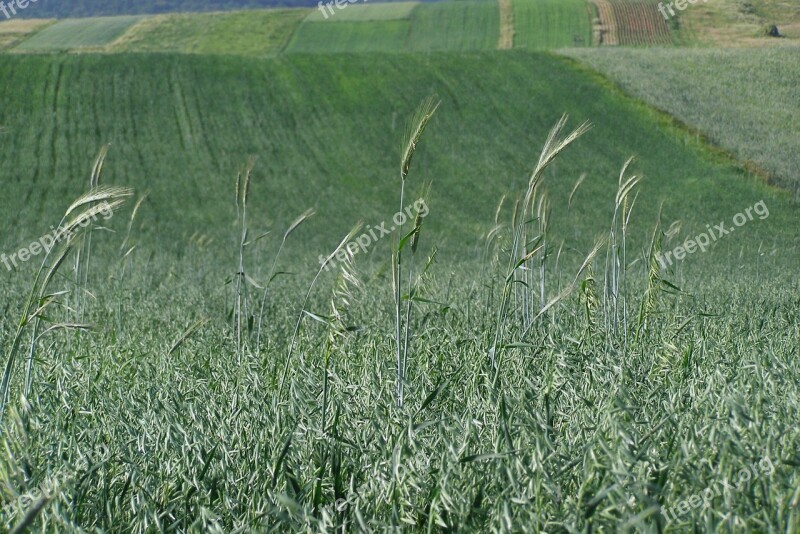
(78, 33)
(607, 26)
(506, 40)
(249, 33)
(455, 26)
(757, 119)
(544, 24)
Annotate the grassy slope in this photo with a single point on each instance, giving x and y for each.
(757, 120)
(253, 33)
(549, 24)
(318, 122)
(78, 33)
(199, 438)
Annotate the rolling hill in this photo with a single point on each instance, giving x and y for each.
(313, 120)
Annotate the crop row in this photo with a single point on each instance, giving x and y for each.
(639, 23)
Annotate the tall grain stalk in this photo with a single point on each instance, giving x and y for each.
(125, 255)
(531, 210)
(78, 216)
(84, 252)
(616, 257)
(303, 312)
(420, 121)
(240, 312)
(526, 246)
(271, 275)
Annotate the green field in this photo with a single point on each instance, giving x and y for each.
(455, 26)
(546, 24)
(248, 33)
(78, 33)
(600, 413)
(758, 122)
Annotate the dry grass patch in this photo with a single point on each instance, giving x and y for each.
(741, 23)
(14, 30)
(506, 40)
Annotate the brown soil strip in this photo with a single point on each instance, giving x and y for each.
(606, 30)
(506, 40)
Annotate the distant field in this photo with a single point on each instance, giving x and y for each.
(79, 33)
(756, 117)
(462, 25)
(248, 33)
(544, 24)
(453, 25)
(447, 25)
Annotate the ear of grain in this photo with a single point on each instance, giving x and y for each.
(418, 124)
(94, 181)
